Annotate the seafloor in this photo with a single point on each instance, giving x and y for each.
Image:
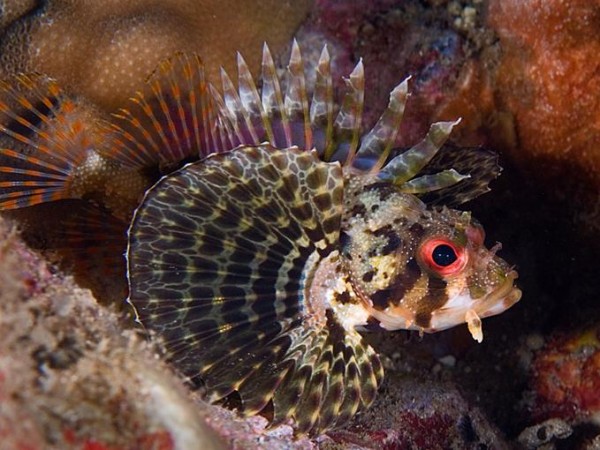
(524, 75)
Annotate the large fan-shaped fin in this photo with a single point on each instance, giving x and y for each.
(43, 137)
(170, 121)
(218, 260)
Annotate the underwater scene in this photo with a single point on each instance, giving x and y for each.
(306, 224)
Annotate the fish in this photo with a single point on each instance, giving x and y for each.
(267, 232)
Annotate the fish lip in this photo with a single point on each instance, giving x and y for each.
(500, 299)
(494, 303)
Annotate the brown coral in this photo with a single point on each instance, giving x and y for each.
(566, 377)
(549, 79)
(104, 50)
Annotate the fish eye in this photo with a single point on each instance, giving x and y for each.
(443, 256)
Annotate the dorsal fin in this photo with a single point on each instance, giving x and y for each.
(245, 118)
(44, 138)
(296, 101)
(322, 107)
(479, 163)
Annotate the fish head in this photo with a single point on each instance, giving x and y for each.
(421, 268)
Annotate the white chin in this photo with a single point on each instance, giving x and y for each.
(461, 308)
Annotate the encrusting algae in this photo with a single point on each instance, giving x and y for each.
(265, 229)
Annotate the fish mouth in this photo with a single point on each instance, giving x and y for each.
(500, 299)
(462, 309)
(471, 311)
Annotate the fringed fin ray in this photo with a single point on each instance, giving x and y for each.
(434, 182)
(252, 103)
(238, 117)
(170, 121)
(479, 163)
(296, 101)
(407, 165)
(273, 103)
(376, 145)
(321, 107)
(43, 139)
(227, 138)
(349, 119)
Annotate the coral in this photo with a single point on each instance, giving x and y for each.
(420, 414)
(538, 435)
(566, 378)
(11, 10)
(71, 377)
(549, 80)
(431, 43)
(115, 45)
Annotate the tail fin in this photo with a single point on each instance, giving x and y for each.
(42, 140)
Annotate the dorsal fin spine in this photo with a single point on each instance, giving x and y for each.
(349, 119)
(251, 101)
(296, 100)
(380, 140)
(272, 99)
(408, 164)
(321, 107)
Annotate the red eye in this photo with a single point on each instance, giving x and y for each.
(443, 256)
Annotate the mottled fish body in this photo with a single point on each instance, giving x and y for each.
(259, 262)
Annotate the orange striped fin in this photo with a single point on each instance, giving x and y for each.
(43, 138)
(169, 121)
